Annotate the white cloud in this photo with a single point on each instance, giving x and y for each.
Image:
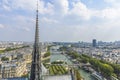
(61, 6)
(5, 5)
(70, 19)
(81, 10)
(20, 23)
(2, 26)
(106, 14)
(111, 13)
(44, 8)
(112, 1)
(23, 4)
(49, 21)
(26, 28)
(7, 8)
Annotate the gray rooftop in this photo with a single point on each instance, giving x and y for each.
(61, 77)
(15, 79)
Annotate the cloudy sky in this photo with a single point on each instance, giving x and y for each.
(60, 20)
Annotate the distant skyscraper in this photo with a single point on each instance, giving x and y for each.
(36, 61)
(94, 43)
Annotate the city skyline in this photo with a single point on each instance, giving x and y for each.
(60, 20)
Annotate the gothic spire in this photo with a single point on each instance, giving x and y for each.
(36, 62)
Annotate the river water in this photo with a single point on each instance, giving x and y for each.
(85, 75)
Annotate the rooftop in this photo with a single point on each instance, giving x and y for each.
(59, 77)
(16, 79)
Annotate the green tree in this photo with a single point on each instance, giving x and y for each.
(47, 54)
(4, 59)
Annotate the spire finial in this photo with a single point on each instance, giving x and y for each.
(37, 6)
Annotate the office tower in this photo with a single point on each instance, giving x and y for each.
(94, 43)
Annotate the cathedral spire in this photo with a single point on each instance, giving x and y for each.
(36, 61)
(37, 27)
